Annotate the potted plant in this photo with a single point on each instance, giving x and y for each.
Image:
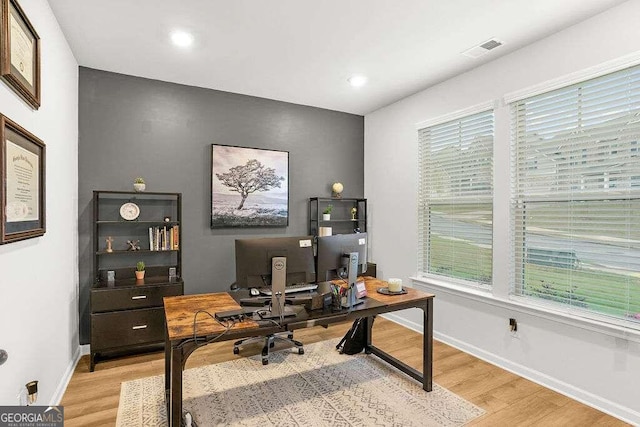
(326, 214)
(140, 270)
(139, 185)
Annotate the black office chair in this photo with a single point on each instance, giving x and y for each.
(269, 340)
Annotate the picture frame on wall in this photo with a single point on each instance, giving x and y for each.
(19, 52)
(249, 187)
(22, 168)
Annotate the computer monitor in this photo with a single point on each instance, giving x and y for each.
(254, 256)
(275, 262)
(334, 259)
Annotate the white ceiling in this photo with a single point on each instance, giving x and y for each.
(303, 51)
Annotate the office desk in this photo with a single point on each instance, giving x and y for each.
(180, 343)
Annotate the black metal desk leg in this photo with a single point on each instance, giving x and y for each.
(167, 365)
(427, 345)
(368, 333)
(175, 411)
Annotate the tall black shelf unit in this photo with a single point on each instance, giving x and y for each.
(127, 313)
(342, 221)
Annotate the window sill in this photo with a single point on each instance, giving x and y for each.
(520, 304)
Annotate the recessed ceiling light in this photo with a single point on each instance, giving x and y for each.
(357, 80)
(181, 39)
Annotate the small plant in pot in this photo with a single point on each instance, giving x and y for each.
(139, 185)
(326, 214)
(140, 270)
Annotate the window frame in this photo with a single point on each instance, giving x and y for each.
(601, 191)
(425, 203)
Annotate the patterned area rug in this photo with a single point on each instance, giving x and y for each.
(319, 388)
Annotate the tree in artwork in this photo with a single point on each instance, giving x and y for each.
(248, 178)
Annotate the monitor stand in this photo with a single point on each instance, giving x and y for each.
(352, 277)
(352, 269)
(278, 284)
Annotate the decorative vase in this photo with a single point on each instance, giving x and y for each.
(139, 187)
(139, 275)
(326, 217)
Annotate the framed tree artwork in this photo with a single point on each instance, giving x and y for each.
(249, 187)
(19, 52)
(22, 167)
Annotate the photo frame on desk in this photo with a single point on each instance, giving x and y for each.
(19, 52)
(22, 168)
(249, 187)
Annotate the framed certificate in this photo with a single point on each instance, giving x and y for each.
(22, 167)
(19, 52)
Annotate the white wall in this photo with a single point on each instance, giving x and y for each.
(39, 277)
(575, 359)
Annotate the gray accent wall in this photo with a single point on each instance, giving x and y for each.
(131, 126)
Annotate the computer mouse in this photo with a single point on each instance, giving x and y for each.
(254, 292)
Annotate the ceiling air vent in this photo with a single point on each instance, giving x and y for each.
(478, 51)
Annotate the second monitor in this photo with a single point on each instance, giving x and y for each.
(335, 260)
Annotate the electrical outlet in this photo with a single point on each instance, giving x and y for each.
(513, 328)
(32, 392)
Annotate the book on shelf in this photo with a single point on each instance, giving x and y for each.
(164, 238)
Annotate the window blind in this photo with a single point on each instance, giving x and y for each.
(455, 199)
(577, 197)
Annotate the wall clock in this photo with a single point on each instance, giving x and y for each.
(129, 211)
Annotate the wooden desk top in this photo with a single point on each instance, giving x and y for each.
(180, 310)
(374, 284)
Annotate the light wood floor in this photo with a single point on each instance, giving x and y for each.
(92, 398)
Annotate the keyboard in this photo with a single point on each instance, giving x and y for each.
(292, 289)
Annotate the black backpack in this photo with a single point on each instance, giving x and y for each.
(354, 340)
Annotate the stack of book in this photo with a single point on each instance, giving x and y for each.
(164, 238)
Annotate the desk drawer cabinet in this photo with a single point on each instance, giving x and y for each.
(127, 317)
(130, 298)
(126, 328)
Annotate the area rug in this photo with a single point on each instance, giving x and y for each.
(319, 388)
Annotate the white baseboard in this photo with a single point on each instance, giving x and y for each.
(625, 414)
(417, 327)
(85, 349)
(64, 381)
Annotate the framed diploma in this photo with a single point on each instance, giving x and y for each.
(22, 166)
(19, 52)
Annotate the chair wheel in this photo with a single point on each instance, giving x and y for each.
(290, 336)
(265, 361)
(236, 350)
(301, 351)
